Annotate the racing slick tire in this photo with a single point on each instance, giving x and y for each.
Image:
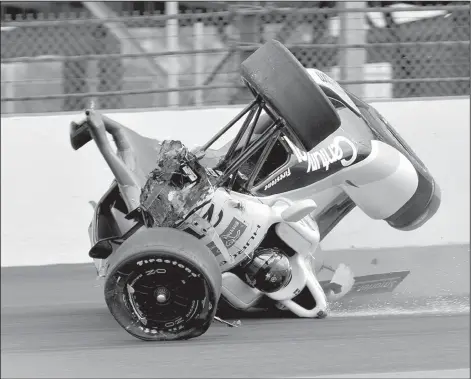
(275, 74)
(163, 285)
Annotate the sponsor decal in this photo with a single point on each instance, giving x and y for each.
(389, 284)
(278, 179)
(209, 216)
(324, 157)
(156, 271)
(324, 80)
(211, 245)
(161, 261)
(248, 243)
(327, 79)
(233, 232)
(214, 249)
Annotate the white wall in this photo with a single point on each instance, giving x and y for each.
(46, 185)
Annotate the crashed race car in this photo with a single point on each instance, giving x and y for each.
(182, 233)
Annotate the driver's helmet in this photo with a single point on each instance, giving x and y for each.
(269, 270)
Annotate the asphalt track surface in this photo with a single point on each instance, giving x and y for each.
(55, 324)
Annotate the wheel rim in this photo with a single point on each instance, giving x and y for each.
(165, 293)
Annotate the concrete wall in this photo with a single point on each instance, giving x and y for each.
(46, 185)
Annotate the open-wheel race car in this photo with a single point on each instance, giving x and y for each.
(181, 232)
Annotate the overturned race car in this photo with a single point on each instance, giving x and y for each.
(181, 234)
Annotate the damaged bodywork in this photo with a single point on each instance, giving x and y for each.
(179, 230)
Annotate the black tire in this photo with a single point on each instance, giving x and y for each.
(172, 263)
(276, 75)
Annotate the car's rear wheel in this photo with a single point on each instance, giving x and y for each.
(276, 75)
(163, 285)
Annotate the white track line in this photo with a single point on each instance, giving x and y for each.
(458, 373)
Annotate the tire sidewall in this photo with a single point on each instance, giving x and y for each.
(117, 298)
